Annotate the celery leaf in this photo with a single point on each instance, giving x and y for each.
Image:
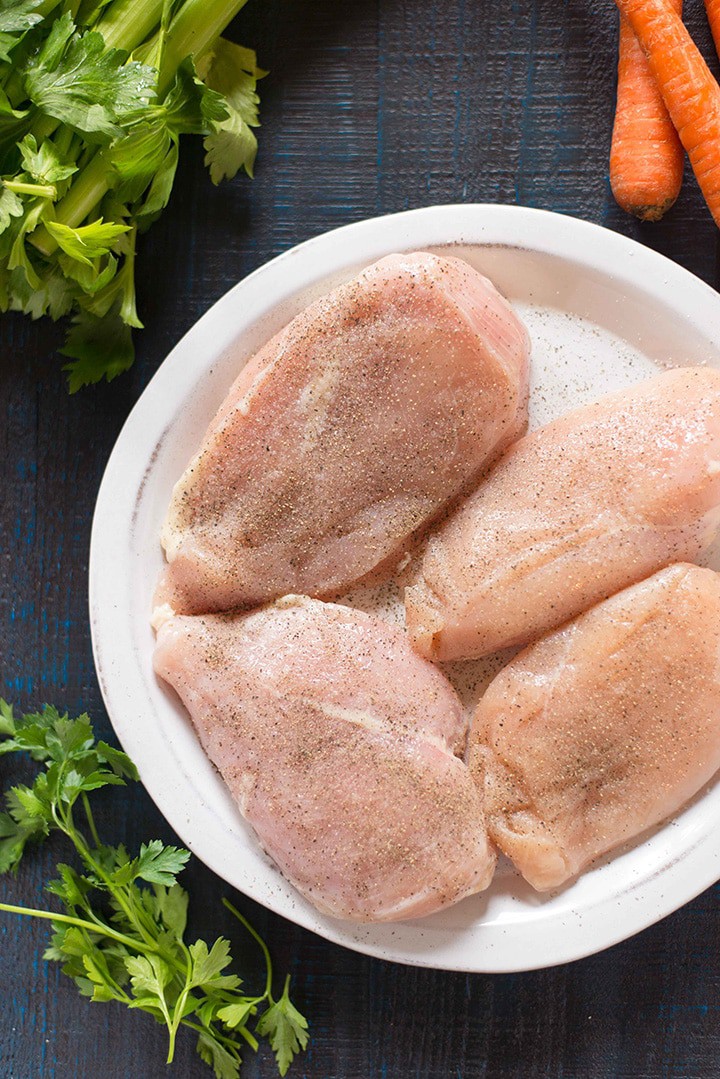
(44, 163)
(193, 106)
(16, 17)
(77, 80)
(100, 348)
(158, 194)
(88, 242)
(19, 15)
(233, 72)
(10, 206)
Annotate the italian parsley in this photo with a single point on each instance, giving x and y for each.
(120, 934)
(94, 96)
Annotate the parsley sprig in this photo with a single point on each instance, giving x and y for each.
(94, 96)
(120, 934)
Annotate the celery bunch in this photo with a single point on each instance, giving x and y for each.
(94, 95)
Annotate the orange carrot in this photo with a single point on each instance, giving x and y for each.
(712, 7)
(690, 93)
(646, 155)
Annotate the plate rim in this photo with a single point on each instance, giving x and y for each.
(492, 225)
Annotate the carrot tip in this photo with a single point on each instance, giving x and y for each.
(651, 213)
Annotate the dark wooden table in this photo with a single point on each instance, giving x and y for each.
(369, 108)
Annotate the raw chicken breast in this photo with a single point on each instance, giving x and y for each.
(339, 745)
(603, 728)
(593, 502)
(347, 432)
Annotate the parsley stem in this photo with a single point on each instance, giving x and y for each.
(90, 819)
(91, 927)
(256, 936)
(64, 821)
(230, 1043)
(246, 1034)
(178, 1013)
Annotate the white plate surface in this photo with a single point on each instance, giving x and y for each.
(603, 312)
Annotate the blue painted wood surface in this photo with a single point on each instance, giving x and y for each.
(370, 107)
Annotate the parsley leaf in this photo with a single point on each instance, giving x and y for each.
(18, 827)
(149, 977)
(170, 906)
(224, 1064)
(158, 864)
(286, 1029)
(208, 966)
(236, 1015)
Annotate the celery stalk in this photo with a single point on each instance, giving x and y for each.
(44, 191)
(44, 127)
(193, 30)
(47, 6)
(126, 23)
(82, 198)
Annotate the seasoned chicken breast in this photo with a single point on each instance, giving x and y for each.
(348, 431)
(343, 751)
(603, 728)
(591, 503)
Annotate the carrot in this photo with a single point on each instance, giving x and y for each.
(690, 93)
(646, 155)
(712, 7)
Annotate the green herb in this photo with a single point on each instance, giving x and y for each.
(120, 934)
(94, 96)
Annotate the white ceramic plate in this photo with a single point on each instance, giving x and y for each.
(603, 312)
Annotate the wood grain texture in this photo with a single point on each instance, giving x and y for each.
(370, 108)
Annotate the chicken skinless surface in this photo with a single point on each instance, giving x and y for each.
(348, 432)
(573, 512)
(343, 750)
(603, 728)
